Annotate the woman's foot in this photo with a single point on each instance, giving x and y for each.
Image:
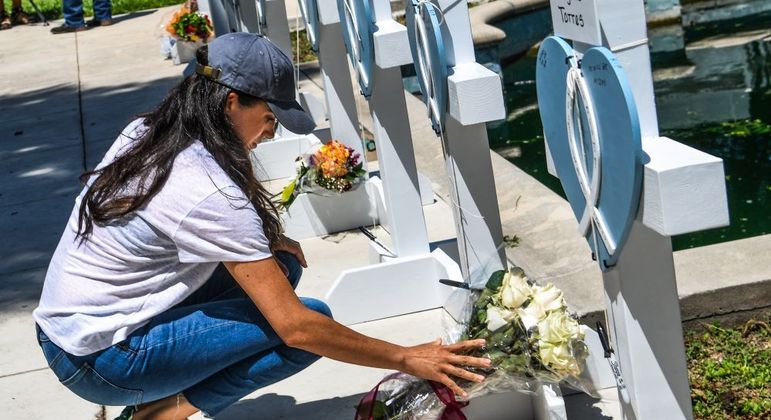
(5, 21)
(19, 16)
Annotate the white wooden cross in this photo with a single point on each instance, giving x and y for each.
(409, 280)
(250, 16)
(473, 96)
(683, 191)
(336, 76)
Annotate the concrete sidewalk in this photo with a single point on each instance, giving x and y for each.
(63, 99)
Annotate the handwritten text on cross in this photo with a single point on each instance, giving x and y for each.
(576, 20)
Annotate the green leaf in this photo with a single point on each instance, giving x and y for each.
(287, 195)
(496, 280)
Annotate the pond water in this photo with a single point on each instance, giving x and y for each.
(713, 93)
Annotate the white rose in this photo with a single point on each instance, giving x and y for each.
(498, 318)
(515, 291)
(548, 297)
(557, 357)
(532, 314)
(558, 327)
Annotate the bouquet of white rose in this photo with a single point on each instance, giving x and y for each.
(531, 340)
(528, 328)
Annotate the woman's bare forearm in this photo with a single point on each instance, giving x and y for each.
(326, 337)
(304, 328)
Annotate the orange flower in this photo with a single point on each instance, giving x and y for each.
(332, 158)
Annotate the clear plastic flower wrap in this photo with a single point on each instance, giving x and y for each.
(531, 337)
(329, 169)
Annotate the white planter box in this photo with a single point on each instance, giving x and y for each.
(184, 51)
(275, 159)
(314, 215)
(545, 404)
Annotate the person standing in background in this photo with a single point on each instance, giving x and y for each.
(17, 17)
(73, 16)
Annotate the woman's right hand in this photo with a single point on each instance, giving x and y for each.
(440, 363)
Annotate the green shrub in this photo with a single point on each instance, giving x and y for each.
(52, 9)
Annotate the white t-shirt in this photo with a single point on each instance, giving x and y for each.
(98, 292)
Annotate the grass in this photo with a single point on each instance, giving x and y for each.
(730, 371)
(52, 9)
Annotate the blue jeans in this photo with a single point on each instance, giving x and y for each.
(73, 11)
(214, 348)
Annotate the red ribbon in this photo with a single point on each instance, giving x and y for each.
(453, 408)
(453, 411)
(366, 408)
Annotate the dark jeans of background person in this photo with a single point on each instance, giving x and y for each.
(215, 348)
(73, 11)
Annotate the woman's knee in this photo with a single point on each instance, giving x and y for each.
(293, 267)
(317, 305)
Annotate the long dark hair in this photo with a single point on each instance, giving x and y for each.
(193, 110)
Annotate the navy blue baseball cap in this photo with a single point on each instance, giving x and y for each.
(252, 64)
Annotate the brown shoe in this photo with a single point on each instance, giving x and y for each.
(5, 21)
(93, 23)
(65, 29)
(19, 17)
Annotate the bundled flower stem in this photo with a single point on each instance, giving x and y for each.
(333, 167)
(531, 340)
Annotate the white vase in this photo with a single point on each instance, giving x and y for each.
(317, 215)
(184, 51)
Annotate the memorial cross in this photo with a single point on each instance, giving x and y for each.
(322, 24)
(266, 17)
(629, 188)
(378, 47)
(409, 280)
(461, 96)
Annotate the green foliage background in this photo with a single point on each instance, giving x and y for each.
(52, 9)
(730, 371)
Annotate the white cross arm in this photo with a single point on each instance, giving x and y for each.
(328, 14)
(684, 188)
(475, 94)
(392, 47)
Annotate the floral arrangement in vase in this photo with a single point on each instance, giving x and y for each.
(332, 168)
(188, 24)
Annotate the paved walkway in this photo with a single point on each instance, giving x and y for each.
(63, 99)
